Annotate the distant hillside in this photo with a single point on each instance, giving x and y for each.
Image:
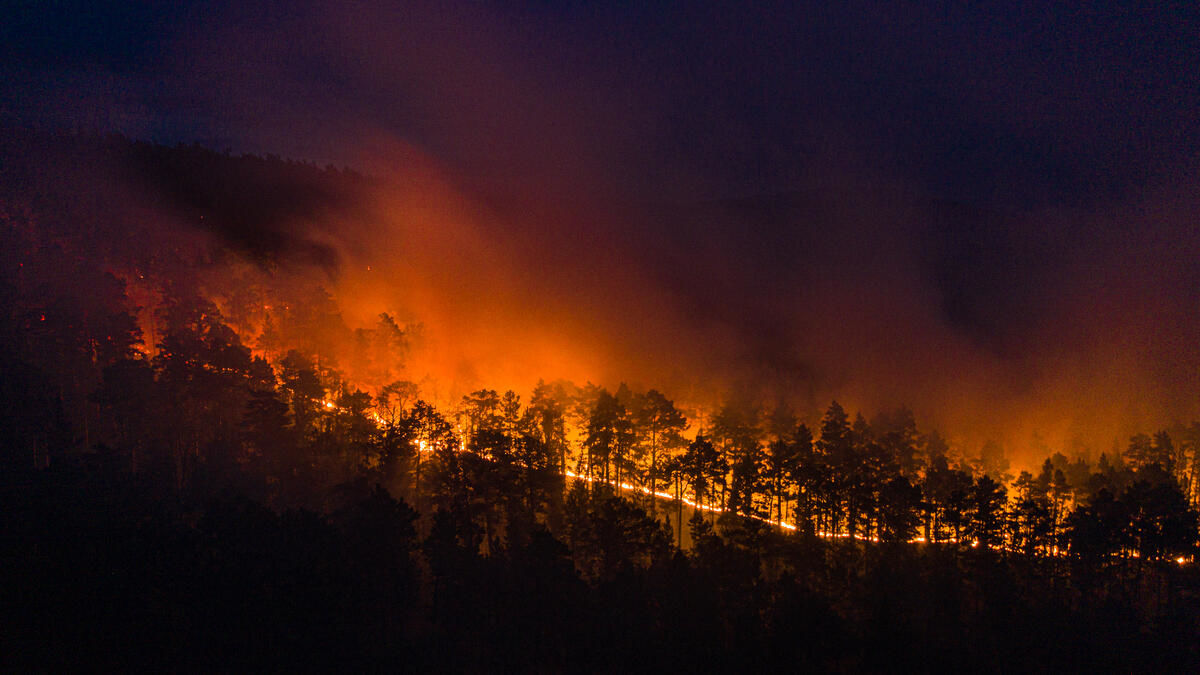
(253, 203)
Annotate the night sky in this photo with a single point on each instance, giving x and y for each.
(981, 210)
(1029, 102)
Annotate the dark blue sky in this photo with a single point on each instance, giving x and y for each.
(1012, 102)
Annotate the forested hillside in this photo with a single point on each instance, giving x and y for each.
(203, 466)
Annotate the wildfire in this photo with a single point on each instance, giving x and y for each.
(423, 447)
(716, 509)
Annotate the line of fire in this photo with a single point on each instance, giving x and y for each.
(226, 446)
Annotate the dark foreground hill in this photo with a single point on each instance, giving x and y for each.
(98, 573)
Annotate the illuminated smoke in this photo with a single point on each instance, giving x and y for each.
(521, 209)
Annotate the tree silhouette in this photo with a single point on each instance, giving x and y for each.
(304, 391)
(897, 434)
(1032, 526)
(1160, 522)
(703, 467)
(809, 475)
(779, 465)
(436, 444)
(899, 510)
(203, 366)
(746, 479)
(609, 435)
(1099, 529)
(836, 447)
(735, 434)
(547, 419)
(659, 427)
(987, 511)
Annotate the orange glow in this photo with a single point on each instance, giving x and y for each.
(559, 287)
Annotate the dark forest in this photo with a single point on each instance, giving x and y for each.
(604, 337)
(203, 467)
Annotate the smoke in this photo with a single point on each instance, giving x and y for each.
(555, 198)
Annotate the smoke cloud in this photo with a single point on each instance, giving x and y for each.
(728, 210)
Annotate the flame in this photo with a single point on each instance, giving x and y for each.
(423, 448)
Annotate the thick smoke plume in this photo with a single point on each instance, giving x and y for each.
(528, 201)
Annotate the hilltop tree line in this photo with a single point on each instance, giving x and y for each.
(284, 421)
(198, 406)
(204, 410)
(207, 497)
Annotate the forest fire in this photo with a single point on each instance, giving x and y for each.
(599, 337)
(291, 335)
